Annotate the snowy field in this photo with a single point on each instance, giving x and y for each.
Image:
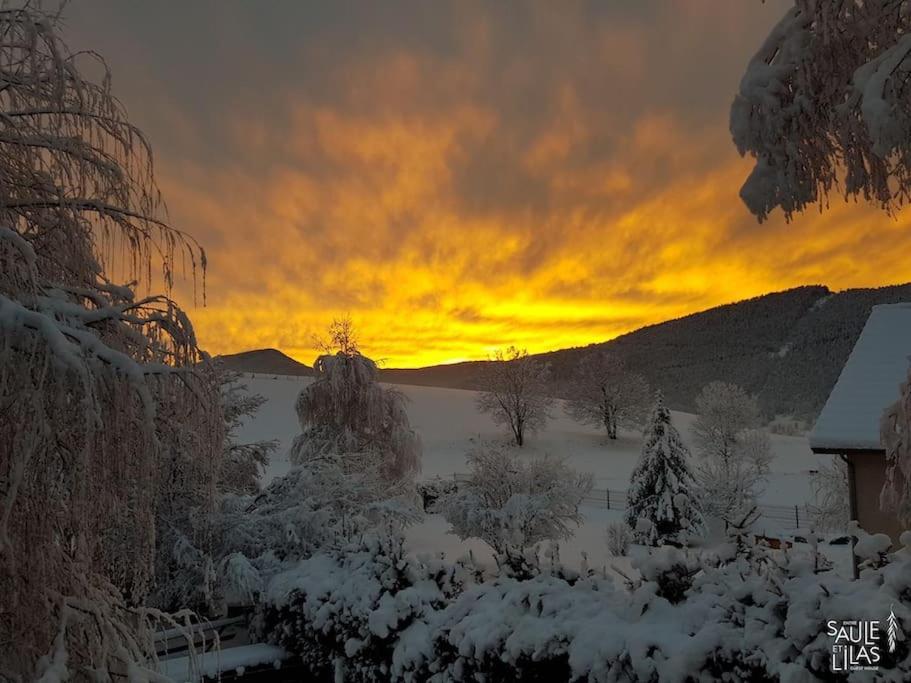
(448, 421)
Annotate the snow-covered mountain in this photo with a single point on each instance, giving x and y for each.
(787, 348)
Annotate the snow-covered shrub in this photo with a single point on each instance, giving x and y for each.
(512, 503)
(345, 410)
(695, 615)
(619, 537)
(515, 392)
(604, 393)
(660, 505)
(111, 433)
(734, 452)
(363, 614)
(323, 506)
(785, 425)
(435, 489)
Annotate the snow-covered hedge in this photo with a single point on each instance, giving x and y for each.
(375, 615)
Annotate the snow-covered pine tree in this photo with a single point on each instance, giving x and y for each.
(104, 396)
(345, 413)
(660, 489)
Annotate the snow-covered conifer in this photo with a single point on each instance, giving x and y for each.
(514, 392)
(605, 394)
(660, 501)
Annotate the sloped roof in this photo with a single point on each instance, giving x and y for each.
(868, 383)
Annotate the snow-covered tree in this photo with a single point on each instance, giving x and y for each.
(105, 398)
(660, 501)
(604, 393)
(824, 106)
(514, 392)
(345, 411)
(243, 463)
(512, 503)
(831, 507)
(734, 452)
(896, 437)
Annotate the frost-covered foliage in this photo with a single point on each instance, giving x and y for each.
(660, 501)
(831, 506)
(513, 503)
(243, 463)
(514, 392)
(190, 560)
(435, 489)
(734, 452)
(618, 537)
(606, 394)
(105, 402)
(824, 105)
(693, 615)
(896, 437)
(345, 410)
(361, 614)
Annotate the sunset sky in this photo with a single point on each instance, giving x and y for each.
(462, 176)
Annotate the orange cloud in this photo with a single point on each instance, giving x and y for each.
(546, 180)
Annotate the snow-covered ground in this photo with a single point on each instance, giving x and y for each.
(448, 421)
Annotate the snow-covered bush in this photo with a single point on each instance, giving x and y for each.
(515, 392)
(734, 452)
(660, 505)
(512, 503)
(375, 615)
(111, 432)
(619, 537)
(345, 410)
(435, 489)
(364, 614)
(604, 393)
(823, 107)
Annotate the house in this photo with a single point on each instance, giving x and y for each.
(849, 425)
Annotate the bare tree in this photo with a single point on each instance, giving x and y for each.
(512, 504)
(105, 402)
(734, 451)
(514, 390)
(824, 106)
(604, 393)
(345, 412)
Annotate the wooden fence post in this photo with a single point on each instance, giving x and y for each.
(796, 517)
(608, 498)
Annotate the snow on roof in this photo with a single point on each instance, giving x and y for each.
(868, 383)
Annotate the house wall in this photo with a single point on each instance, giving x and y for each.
(869, 477)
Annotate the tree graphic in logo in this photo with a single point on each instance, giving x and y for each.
(892, 631)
